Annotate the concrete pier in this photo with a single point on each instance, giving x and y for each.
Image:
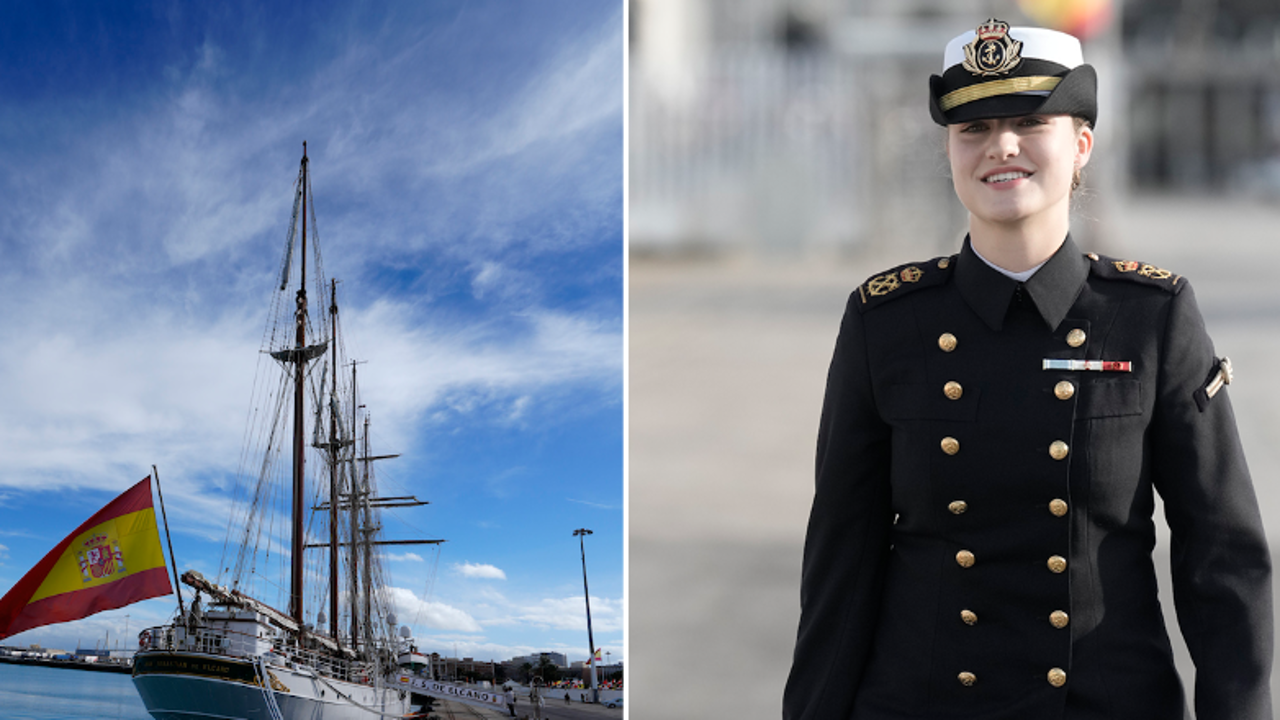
(728, 358)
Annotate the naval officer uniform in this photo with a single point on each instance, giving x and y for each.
(981, 535)
(980, 544)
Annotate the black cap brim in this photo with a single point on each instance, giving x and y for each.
(1076, 95)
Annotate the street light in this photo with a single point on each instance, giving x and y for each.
(581, 534)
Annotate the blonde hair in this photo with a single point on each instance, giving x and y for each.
(1077, 176)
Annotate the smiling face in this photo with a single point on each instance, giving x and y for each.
(1016, 172)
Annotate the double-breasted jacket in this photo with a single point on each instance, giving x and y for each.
(980, 544)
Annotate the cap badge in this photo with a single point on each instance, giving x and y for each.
(992, 51)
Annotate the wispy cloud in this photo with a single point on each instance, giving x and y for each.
(478, 570)
(463, 369)
(404, 557)
(469, 196)
(588, 503)
(563, 614)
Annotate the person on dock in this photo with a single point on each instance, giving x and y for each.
(996, 425)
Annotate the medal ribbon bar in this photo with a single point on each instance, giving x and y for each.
(1096, 365)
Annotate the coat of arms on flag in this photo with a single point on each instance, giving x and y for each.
(86, 573)
(102, 558)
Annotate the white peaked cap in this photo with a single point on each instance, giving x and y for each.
(1037, 43)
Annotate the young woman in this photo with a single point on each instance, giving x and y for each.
(996, 425)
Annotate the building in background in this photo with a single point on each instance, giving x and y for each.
(801, 128)
(555, 658)
(1203, 95)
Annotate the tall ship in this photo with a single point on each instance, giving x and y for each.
(326, 647)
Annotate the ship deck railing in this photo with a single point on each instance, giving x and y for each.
(219, 641)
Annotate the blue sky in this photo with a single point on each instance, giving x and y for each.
(466, 164)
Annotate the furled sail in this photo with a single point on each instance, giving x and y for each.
(308, 353)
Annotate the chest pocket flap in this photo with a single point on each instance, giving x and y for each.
(1110, 398)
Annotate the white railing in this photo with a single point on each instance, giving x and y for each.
(232, 643)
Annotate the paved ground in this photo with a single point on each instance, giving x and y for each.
(727, 362)
(552, 710)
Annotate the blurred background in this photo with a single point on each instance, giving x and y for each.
(782, 152)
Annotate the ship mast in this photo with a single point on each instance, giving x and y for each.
(300, 364)
(360, 497)
(354, 510)
(333, 467)
(366, 532)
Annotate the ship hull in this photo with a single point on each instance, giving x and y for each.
(197, 686)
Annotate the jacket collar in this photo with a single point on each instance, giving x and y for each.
(1054, 288)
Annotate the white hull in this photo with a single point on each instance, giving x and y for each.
(196, 686)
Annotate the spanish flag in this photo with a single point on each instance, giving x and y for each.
(112, 560)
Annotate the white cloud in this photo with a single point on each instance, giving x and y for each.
(410, 610)
(510, 360)
(477, 570)
(151, 239)
(517, 408)
(588, 503)
(563, 614)
(404, 557)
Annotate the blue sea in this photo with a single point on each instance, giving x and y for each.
(39, 693)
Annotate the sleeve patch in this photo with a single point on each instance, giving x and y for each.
(1222, 376)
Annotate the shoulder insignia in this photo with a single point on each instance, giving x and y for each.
(903, 279)
(1138, 272)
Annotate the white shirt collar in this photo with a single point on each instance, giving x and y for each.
(1019, 276)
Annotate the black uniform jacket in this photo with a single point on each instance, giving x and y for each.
(980, 544)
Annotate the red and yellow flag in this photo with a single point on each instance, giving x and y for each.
(113, 559)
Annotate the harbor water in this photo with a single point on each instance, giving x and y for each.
(44, 693)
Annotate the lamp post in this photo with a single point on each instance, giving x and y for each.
(581, 534)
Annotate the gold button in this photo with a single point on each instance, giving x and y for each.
(1057, 564)
(958, 507)
(1057, 677)
(1064, 390)
(950, 445)
(964, 559)
(969, 617)
(943, 263)
(967, 679)
(952, 390)
(1058, 507)
(1093, 257)
(1058, 619)
(1076, 337)
(1058, 450)
(947, 342)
